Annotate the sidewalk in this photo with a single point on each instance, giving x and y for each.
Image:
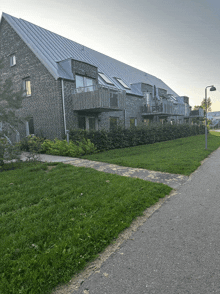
(176, 251)
(172, 180)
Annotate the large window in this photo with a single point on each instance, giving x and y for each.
(87, 123)
(84, 84)
(27, 87)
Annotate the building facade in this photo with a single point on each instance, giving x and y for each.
(69, 86)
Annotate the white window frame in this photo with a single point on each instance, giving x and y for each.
(122, 83)
(25, 81)
(28, 127)
(106, 79)
(12, 60)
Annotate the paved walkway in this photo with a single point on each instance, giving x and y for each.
(172, 180)
(175, 249)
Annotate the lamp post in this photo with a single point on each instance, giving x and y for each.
(212, 88)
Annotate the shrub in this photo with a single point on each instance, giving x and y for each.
(31, 144)
(141, 135)
(63, 148)
(8, 151)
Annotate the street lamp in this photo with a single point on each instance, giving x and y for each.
(212, 88)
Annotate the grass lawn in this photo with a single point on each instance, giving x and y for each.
(181, 156)
(53, 220)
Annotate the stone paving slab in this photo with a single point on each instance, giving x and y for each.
(172, 180)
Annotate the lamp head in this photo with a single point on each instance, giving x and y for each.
(213, 88)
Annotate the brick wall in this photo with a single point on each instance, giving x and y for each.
(84, 69)
(45, 102)
(133, 109)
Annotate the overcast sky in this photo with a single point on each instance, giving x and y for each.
(177, 41)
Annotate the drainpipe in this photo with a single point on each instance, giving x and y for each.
(64, 112)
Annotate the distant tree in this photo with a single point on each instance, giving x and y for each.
(196, 107)
(10, 101)
(209, 103)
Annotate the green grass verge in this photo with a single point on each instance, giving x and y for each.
(181, 156)
(53, 221)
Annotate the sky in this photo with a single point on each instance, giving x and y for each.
(177, 41)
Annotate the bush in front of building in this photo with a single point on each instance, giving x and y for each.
(63, 148)
(36, 144)
(140, 135)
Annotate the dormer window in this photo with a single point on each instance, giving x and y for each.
(12, 60)
(103, 76)
(84, 84)
(122, 83)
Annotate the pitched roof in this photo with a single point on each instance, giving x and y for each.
(52, 49)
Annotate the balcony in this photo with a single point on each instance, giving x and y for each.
(98, 99)
(197, 113)
(160, 110)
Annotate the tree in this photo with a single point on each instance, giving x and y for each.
(10, 101)
(196, 107)
(209, 103)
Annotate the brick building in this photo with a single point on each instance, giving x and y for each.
(69, 86)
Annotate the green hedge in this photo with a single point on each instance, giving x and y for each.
(121, 138)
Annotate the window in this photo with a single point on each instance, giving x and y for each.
(91, 123)
(133, 122)
(12, 60)
(27, 86)
(30, 126)
(113, 123)
(105, 78)
(113, 99)
(84, 84)
(122, 83)
(82, 122)
(87, 123)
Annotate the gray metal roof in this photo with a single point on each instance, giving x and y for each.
(55, 52)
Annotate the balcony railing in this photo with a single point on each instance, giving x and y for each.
(157, 109)
(98, 98)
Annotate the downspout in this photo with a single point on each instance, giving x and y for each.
(64, 112)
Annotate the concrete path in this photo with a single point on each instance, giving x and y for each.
(172, 180)
(175, 251)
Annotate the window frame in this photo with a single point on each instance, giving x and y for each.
(115, 124)
(134, 123)
(105, 78)
(85, 87)
(12, 60)
(29, 124)
(122, 83)
(25, 88)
